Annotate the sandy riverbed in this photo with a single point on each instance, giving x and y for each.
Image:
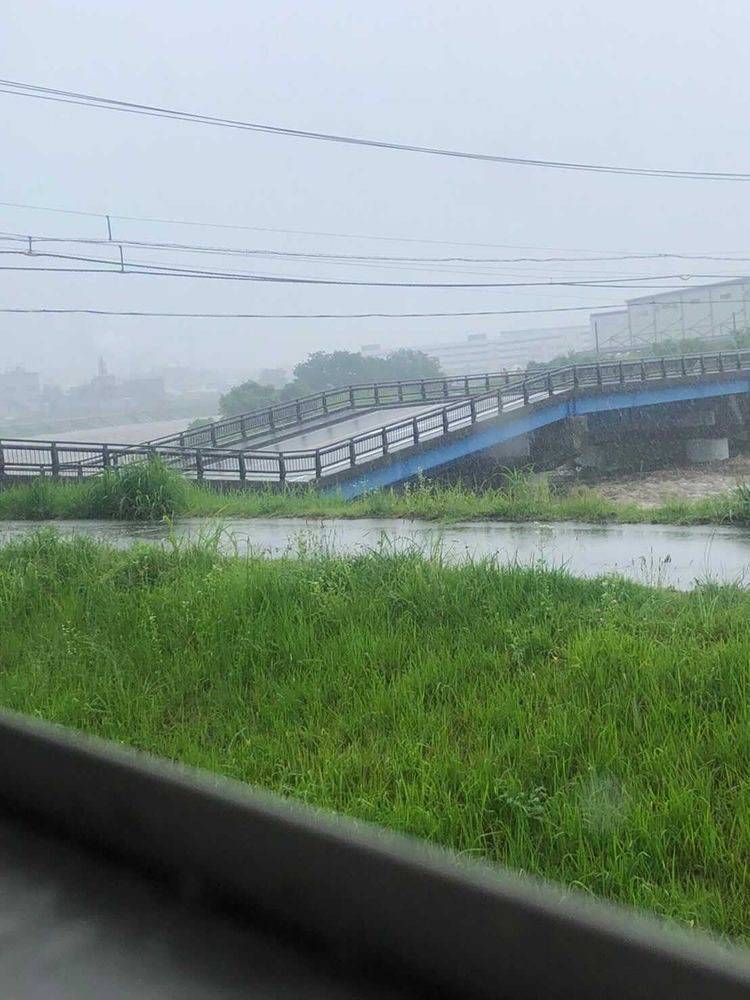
(688, 482)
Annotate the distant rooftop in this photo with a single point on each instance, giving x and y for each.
(688, 289)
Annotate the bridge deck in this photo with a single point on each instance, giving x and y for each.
(368, 448)
(344, 429)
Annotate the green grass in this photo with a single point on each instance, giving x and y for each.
(151, 492)
(145, 491)
(595, 732)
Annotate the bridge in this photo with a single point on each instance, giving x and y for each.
(359, 438)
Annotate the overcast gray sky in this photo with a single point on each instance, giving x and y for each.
(660, 83)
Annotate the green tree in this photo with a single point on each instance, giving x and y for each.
(331, 370)
(406, 364)
(246, 397)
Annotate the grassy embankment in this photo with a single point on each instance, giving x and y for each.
(151, 491)
(595, 732)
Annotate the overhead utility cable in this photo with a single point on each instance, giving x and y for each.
(108, 216)
(309, 255)
(34, 311)
(143, 268)
(38, 92)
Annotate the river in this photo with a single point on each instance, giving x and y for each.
(657, 555)
(129, 433)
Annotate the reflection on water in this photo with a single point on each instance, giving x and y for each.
(659, 555)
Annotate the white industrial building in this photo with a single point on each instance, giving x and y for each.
(486, 352)
(706, 311)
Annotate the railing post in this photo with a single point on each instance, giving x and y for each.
(198, 464)
(445, 420)
(599, 375)
(377, 394)
(424, 389)
(241, 467)
(105, 456)
(507, 377)
(243, 427)
(401, 392)
(525, 393)
(550, 390)
(622, 374)
(467, 391)
(2, 460)
(575, 376)
(384, 440)
(282, 468)
(415, 430)
(351, 396)
(298, 411)
(721, 362)
(487, 382)
(499, 401)
(643, 371)
(445, 388)
(181, 439)
(702, 365)
(271, 421)
(212, 435)
(352, 453)
(54, 459)
(663, 367)
(473, 410)
(318, 464)
(683, 369)
(324, 401)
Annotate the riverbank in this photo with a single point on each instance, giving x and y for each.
(522, 498)
(657, 555)
(593, 732)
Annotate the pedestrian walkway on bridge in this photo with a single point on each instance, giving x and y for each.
(360, 438)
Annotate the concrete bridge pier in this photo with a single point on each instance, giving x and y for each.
(707, 449)
(597, 457)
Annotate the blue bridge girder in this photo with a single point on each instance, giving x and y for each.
(442, 421)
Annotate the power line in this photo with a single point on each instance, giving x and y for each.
(313, 255)
(144, 313)
(365, 315)
(311, 232)
(142, 268)
(18, 89)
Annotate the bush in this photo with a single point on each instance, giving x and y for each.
(146, 491)
(37, 500)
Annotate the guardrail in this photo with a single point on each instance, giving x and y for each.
(282, 416)
(65, 460)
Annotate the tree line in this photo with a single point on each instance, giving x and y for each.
(329, 370)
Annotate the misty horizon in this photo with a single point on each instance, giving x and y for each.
(650, 85)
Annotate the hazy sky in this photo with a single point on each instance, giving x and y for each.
(657, 83)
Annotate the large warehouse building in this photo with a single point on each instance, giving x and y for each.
(705, 311)
(486, 352)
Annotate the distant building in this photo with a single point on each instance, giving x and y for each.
(705, 311)
(20, 391)
(145, 390)
(486, 352)
(182, 379)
